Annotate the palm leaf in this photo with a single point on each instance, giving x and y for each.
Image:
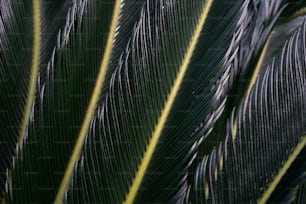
(135, 101)
(23, 52)
(256, 156)
(179, 154)
(140, 112)
(284, 29)
(70, 78)
(16, 100)
(242, 62)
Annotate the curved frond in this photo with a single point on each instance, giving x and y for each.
(64, 89)
(112, 123)
(265, 135)
(22, 27)
(63, 99)
(278, 37)
(125, 125)
(135, 101)
(242, 64)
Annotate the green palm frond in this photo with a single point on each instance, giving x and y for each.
(24, 48)
(256, 156)
(152, 101)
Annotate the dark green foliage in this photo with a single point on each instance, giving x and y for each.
(225, 138)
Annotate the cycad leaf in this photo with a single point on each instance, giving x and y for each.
(207, 102)
(265, 137)
(22, 25)
(291, 18)
(254, 26)
(279, 36)
(17, 19)
(139, 93)
(130, 93)
(67, 94)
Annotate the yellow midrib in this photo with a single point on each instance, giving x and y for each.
(33, 73)
(256, 72)
(266, 195)
(91, 107)
(251, 84)
(258, 66)
(298, 13)
(168, 105)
